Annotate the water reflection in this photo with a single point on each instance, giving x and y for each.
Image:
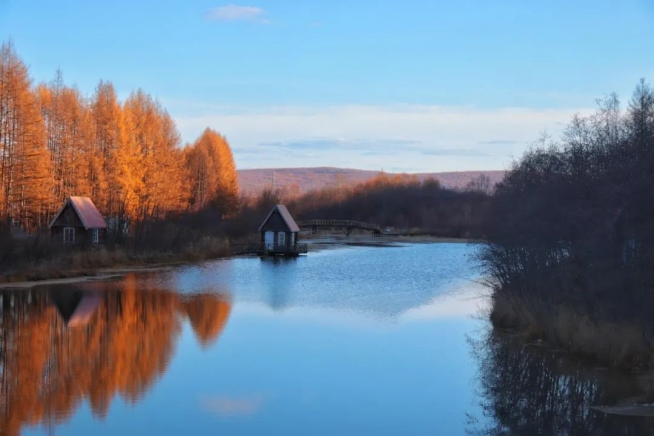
(529, 391)
(62, 346)
(279, 275)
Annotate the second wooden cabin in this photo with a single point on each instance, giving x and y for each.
(279, 233)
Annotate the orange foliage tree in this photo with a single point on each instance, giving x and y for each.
(212, 173)
(24, 166)
(55, 143)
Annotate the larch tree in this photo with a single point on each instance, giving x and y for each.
(24, 165)
(108, 139)
(153, 136)
(54, 143)
(68, 134)
(212, 174)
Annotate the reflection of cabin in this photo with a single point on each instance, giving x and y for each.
(279, 233)
(75, 307)
(79, 223)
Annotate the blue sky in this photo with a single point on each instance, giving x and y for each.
(401, 86)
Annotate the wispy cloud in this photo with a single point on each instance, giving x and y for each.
(343, 144)
(431, 138)
(237, 13)
(453, 152)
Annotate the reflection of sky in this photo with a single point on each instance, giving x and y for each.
(379, 283)
(319, 346)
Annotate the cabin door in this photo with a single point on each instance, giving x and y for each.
(282, 239)
(269, 239)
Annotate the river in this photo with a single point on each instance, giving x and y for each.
(352, 341)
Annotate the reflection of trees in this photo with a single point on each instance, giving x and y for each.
(526, 391)
(118, 345)
(208, 314)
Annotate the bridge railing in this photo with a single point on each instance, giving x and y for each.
(339, 223)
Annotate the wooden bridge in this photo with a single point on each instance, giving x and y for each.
(347, 225)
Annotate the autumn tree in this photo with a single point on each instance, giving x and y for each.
(107, 146)
(212, 173)
(24, 166)
(55, 143)
(67, 122)
(151, 165)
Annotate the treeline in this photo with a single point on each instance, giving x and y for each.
(126, 156)
(400, 202)
(570, 235)
(50, 366)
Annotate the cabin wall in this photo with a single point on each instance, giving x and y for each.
(83, 237)
(290, 239)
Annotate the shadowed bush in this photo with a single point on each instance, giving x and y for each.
(570, 236)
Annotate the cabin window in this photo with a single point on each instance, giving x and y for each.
(282, 239)
(69, 234)
(95, 237)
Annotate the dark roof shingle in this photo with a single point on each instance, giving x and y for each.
(86, 211)
(286, 216)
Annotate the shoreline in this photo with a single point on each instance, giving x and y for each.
(599, 343)
(319, 243)
(95, 275)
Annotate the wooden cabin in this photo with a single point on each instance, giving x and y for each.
(79, 223)
(279, 233)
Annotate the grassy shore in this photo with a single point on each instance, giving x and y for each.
(622, 344)
(104, 262)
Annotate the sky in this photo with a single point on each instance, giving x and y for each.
(403, 86)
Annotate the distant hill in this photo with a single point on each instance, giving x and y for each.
(307, 179)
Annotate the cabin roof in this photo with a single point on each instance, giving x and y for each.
(86, 211)
(286, 216)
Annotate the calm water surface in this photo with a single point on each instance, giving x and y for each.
(356, 341)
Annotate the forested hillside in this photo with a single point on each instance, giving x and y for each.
(302, 180)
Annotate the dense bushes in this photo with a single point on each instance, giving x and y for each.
(571, 224)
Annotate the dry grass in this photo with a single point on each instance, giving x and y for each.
(89, 262)
(614, 344)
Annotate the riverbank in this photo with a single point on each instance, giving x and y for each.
(622, 349)
(623, 345)
(79, 267)
(75, 266)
